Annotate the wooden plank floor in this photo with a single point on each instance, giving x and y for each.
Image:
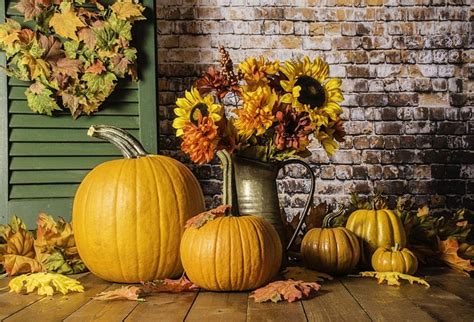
(450, 298)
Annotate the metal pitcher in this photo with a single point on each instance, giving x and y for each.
(256, 191)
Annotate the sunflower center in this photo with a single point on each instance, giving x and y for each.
(312, 92)
(198, 111)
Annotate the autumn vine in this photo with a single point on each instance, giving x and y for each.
(74, 54)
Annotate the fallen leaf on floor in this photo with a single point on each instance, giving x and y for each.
(46, 283)
(170, 286)
(206, 216)
(449, 255)
(289, 290)
(131, 293)
(305, 274)
(393, 278)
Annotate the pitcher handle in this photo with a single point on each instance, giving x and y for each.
(308, 201)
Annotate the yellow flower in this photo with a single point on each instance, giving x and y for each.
(255, 71)
(256, 114)
(328, 142)
(193, 106)
(308, 89)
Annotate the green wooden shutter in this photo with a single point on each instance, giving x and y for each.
(43, 159)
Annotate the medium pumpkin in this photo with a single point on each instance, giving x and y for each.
(394, 259)
(330, 250)
(376, 228)
(129, 214)
(232, 253)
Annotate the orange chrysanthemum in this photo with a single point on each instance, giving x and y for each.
(200, 140)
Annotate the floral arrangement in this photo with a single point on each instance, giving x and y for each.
(75, 53)
(265, 110)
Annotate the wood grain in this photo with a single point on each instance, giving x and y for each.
(58, 307)
(164, 307)
(213, 306)
(281, 311)
(334, 303)
(106, 311)
(383, 302)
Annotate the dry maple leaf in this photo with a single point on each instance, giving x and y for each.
(393, 278)
(206, 216)
(305, 274)
(126, 10)
(16, 264)
(170, 286)
(67, 22)
(130, 293)
(449, 255)
(96, 68)
(289, 290)
(46, 283)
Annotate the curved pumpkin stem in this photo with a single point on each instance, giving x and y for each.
(396, 248)
(229, 190)
(327, 220)
(127, 144)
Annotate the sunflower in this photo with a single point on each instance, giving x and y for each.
(255, 72)
(331, 134)
(256, 114)
(308, 89)
(193, 106)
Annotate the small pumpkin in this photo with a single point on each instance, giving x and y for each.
(394, 259)
(376, 227)
(129, 214)
(330, 250)
(231, 253)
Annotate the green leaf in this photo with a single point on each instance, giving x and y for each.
(71, 48)
(123, 28)
(103, 83)
(40, 99)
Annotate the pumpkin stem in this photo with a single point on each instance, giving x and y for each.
(396, 248)
(328, 219)
(229, 189)
(127, 144)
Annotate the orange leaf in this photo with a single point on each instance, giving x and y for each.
(16, 264)
(170, 286)
(96, 68)
(131, 293)
(289, 290)
(204, 217)
(449, 255)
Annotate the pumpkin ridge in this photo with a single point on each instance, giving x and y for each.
(176, 175)
(218, 245)
(156, 249)
(118, 255)
(267, 232)
(242, 277)
(160, 259)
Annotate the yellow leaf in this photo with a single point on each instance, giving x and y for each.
(36, 66)
(449, 255)
(393, 278)
(46, 283)
(67, 22)
(423, 212)
(126, 10)
(17, 264)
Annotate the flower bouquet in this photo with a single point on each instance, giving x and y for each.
(265, 110)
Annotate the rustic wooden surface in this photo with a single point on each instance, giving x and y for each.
(450, 298)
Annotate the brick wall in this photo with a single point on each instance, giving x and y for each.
(407, 69)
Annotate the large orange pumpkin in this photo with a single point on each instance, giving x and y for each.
(129, 214)
(232, 253)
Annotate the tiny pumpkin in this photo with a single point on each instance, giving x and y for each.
(394, 259)
(231, 253)
(330, 250)
(376, 227)
(129, 214)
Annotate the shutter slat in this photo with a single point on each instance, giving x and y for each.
(43, 191)
(55, 207)
(21, 107)
(59, 176)
(121, 84)
(123, 95)
(54, 135)
(59, 163)
(61, 149)
(83, 122)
